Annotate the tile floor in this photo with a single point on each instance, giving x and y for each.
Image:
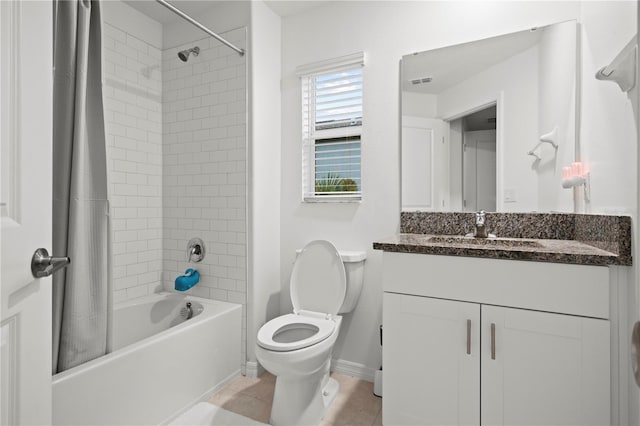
(355, 405)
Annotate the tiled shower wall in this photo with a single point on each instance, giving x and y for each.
(176, 136)
(132, 101)
(204, 173)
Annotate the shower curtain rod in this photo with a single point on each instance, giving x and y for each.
(199, 25)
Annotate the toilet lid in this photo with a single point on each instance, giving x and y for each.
(304, 331)
(318, 281)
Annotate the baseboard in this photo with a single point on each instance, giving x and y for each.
(354, 369)
(253, 369)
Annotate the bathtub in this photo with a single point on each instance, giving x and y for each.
(161, 363)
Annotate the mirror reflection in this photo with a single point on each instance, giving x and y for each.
(489, 124)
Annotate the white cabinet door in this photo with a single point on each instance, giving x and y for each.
(431, 373)
(545, 369)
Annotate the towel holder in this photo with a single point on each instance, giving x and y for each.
(550, 138)
(622, 70)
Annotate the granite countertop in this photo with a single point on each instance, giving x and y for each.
(582, 239)
(539, 250)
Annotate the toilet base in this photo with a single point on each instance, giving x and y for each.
(302, 402)
(329, 391)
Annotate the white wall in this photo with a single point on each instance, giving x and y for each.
(609, 142)
(557, 87)
(386, 31)
(264, 174)
(419, 104)
(607, 116)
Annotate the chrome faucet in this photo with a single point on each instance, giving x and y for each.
(481, 226)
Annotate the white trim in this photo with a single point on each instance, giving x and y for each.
(10, 96)
(354, 369)
(500, 147)
(9, 357)
(620, 344)
(330, 64)
(473, 109)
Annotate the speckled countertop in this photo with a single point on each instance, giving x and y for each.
(541, 237)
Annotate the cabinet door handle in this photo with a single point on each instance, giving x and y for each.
(468, 337)
(493, 341)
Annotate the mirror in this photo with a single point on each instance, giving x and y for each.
(491, 123)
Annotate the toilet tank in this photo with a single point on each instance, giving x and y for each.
(354, 268)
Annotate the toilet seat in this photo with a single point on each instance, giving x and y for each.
(268, 333)
(318, 285)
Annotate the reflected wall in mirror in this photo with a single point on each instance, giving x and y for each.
(472, 119)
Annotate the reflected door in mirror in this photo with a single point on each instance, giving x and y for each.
(422, 144)
(479, 170)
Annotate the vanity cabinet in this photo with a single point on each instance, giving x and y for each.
(474, 351)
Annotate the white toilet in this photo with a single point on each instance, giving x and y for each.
(296, 347)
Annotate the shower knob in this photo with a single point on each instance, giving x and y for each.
(195, 250)
(43, 265)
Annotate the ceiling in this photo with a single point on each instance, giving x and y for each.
(293, 7)
(194, 8)
(453, 64)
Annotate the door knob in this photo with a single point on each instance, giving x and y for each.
(43, 265)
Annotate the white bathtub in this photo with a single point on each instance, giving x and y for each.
(157, 369)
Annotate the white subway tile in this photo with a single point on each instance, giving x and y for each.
(124, 189)
(138, 291)
(114, 33)
(236, 297)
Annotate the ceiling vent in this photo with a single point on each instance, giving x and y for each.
(421, 80)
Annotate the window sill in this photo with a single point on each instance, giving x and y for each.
(330, 199)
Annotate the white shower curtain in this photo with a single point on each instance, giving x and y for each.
(80, 205)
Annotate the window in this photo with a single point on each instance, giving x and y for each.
(331, 129)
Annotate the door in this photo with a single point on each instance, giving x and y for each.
(431, 361)
(544, 368)
(25, 172)
(424, 165)
(479, 170)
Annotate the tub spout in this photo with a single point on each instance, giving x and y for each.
(190, 278)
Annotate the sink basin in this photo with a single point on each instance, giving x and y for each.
(486, 242)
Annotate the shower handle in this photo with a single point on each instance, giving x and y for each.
(43, 265)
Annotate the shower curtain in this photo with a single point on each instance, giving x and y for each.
(80, 206)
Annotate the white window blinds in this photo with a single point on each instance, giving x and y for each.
(331, 130)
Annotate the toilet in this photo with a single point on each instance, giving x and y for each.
(296, 347)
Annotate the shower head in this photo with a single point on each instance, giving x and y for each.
(184, 54)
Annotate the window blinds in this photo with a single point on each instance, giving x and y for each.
(331, 127)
